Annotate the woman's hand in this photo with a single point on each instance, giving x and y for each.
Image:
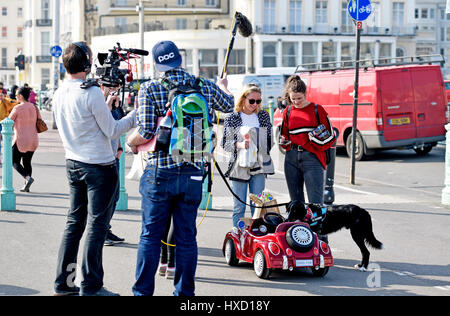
(245, 144)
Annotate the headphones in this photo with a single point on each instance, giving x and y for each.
(87, 63)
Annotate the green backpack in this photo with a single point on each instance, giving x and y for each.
(191, 136)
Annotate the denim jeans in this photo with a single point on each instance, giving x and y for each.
(303, 168)
(92, 190)
(177, 190)
(256, 184)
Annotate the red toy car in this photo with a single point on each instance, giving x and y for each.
(271, 243)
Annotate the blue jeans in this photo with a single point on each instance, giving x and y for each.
(303, 168)
(91, 206)
(176, 190)
(256, 184)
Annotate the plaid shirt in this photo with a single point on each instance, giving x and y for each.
(153, 98)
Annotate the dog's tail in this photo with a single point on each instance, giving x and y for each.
(373, 242)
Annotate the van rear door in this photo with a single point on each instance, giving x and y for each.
(397, 103)
(430, 103)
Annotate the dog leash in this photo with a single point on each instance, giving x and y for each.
(236, 196)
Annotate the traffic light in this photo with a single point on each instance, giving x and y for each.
(20, 62)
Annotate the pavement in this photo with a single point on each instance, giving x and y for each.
(30, 238)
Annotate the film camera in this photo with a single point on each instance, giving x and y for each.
(110, 74)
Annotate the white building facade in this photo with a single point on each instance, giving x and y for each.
(287, 33)
(38, 37)
(11, 39)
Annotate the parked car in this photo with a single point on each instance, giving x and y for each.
(400, 106)
(271, 243)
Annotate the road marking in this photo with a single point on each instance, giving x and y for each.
(443, 288)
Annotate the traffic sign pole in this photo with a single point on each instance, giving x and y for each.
(355, 106)
(359, 10)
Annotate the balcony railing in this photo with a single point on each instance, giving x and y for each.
(43, 59)
(409, 30)
(43, 22)
(169, 4)
(190, 24)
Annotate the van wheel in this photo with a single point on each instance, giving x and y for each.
(360, 147)
(278, 138)
(422, 151)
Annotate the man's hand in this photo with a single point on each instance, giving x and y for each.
(133, 148)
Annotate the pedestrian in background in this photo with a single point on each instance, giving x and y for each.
(86, 127)
(305, 160)
(12, 93)
(169, 186)
(248, 136)
(25, 140)
(117, 113)
(2, 89)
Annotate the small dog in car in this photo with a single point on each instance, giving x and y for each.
(335, 218)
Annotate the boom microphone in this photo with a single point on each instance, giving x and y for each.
(138, 51)
(241, 24)
(244, 26)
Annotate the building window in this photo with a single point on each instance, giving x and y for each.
(19, 32)
(347, 53)
(121, 3)
(347, 25)
(4, 57)
(270, 54)
(4, 32)
(328, 54)
(45, 43)
(188, 62)
(321, 12)
(309, 53)
(289, 58)
(19, 12)
(295, 18)
(367, 51)
(269, 16)
(398, 15)
(45, 9)
(208, 63)
(181, 2)
(236, 62)
(181, 24)
(45, 76)
(210, 3)
(4, 11)
(385, 52)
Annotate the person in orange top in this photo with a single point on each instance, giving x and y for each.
(25, 141)
(6, 106)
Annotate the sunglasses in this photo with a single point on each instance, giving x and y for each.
(253, 101)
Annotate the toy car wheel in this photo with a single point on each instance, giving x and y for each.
(321, 272)
(230, 253)
(260, 266)
(300, 238)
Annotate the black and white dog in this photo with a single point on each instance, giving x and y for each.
(350, 216)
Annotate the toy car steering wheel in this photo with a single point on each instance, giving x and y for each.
(273, 219)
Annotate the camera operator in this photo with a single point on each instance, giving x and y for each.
(86, 127)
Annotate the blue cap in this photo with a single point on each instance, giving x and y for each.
(166, 56)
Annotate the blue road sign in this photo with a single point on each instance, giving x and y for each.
(56, 51)
(359, 10)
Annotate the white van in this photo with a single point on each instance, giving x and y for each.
(272, 86)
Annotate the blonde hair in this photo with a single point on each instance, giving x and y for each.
(249, 88)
